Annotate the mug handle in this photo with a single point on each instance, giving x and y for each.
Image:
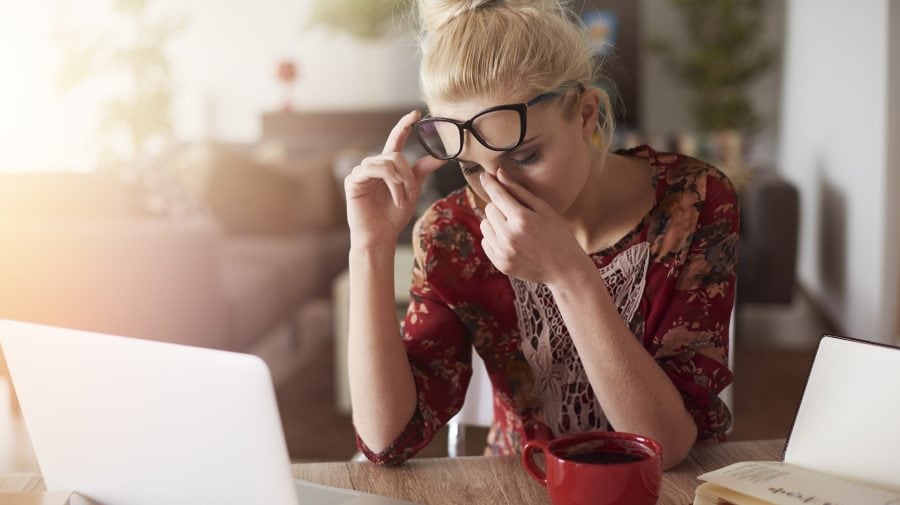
(528, 459)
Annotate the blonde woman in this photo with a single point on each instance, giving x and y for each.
(597, 286)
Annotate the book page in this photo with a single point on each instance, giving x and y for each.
(848, 418)
(714, 494)
(786, 484)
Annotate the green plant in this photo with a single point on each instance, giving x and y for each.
(723, 57)
(134, 57)
(365, 19)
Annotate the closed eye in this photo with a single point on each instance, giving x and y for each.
(531, 159)
(470, 170)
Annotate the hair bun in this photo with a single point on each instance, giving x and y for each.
(436, 13)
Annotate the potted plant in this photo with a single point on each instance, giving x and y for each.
(723, 55)
(134, 56)
(364, 19)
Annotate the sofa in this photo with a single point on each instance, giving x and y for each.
(770, 229)
(249, 269)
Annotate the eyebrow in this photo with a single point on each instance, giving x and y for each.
(525, 143)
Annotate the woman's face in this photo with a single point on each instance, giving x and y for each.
(554, 159)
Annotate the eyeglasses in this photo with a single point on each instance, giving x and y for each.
(500, 128)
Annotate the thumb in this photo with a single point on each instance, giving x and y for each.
(425, 166)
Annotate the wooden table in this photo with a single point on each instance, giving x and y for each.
(475, 480)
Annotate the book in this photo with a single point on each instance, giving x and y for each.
(844, 446)
(778, 483)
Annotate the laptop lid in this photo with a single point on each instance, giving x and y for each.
(134, 422)
(848, 422)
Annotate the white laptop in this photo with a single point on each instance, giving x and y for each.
(123, 421)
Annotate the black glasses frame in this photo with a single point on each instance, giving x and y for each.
(462, 126)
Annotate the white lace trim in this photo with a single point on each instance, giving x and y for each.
(568, 401)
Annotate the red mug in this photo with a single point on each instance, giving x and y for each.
(598, 468)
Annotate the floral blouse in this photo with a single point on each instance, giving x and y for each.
(672, 279)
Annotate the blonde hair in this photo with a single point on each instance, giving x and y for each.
(492, 48)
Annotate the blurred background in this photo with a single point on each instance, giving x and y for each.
(173, 170)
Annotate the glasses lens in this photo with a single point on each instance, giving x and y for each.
(440, 138)
(500, 129)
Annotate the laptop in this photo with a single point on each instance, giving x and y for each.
(124, 421)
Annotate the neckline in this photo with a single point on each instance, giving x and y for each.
(647, 152)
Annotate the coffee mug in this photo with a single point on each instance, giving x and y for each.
(598, 468)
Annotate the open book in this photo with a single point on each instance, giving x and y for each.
(844, 447)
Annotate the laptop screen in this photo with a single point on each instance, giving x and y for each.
(124, 421)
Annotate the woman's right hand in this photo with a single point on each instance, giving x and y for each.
(383, 190)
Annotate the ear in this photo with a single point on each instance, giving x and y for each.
(589, 111)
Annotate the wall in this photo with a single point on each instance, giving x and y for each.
(834, 147)
(892, 259)
(664, 100)
(223, 68)
(225, 61)
(224, 65)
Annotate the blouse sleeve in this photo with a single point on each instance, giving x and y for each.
(692, 342)
(438, 348)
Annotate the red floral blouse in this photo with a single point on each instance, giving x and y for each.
(672, 279)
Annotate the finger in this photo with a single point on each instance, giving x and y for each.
(372, 170)
(487, 230)
(400, 164)
(492, 255)
(489, 251)
(380, 172)
(406, 173)
(518, 191)
(426, 166)
(502, 198)
(496, 220)
(356, 189)
(500, 232)
(398, 194)
(397, 138)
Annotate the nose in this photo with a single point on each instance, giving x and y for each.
(490, 168)
(474, 152)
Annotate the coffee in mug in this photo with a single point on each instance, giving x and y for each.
(598, 468)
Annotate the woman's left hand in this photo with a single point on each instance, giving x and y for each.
(524, 237)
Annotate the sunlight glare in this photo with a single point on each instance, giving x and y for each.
(41, 128)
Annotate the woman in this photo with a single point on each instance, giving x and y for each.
(596, 286)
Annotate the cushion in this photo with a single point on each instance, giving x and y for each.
(246, 196)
